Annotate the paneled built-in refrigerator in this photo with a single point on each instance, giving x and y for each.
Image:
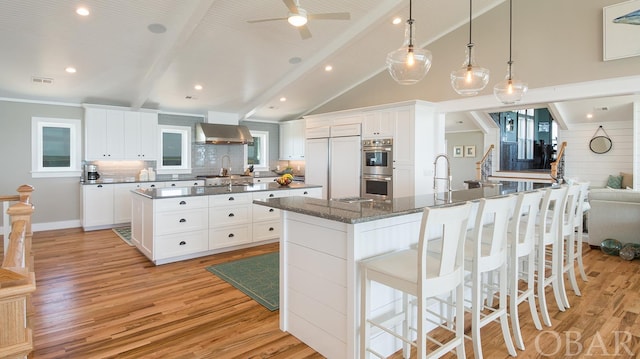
(334, 163)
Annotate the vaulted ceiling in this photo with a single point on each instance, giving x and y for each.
(151, 53)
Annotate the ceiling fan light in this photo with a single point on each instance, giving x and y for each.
(470, 79)
(510, 90)
(298, 19)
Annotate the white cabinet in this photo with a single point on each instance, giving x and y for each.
(307, 192)
(112, 134)
(189, 183)
(230, 220)
(97, 205)
(292, 137)
(266, 220)
(122, 202)
(140, 135)
(180, 227)
(104, 131)
(378, 124)
(264, 179)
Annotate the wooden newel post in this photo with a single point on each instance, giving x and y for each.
(22, 211)
(24, 192)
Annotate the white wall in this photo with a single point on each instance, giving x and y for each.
(464, 168)
(585, 165)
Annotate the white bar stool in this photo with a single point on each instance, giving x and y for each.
(568, 241)
(486, 253)
(424, 276)
(522, 253)
(548, 241)
(583, 206)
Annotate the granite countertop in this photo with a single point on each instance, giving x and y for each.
(171, 192)
(116, 180)
(354, 211)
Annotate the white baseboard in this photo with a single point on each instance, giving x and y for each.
(49, 226)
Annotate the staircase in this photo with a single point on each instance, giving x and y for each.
(531, 176)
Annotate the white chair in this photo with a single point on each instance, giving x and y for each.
(549, 248)
(423, 276)
(583, 206)
(486, 253)
(522, 259)
(568, 241)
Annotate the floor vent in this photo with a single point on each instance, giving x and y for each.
(41, 80)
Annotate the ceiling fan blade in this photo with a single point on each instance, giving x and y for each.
(304, 32)
(264, 20)
(291, 5)
(330, 16)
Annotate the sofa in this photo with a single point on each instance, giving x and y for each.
(614, 213)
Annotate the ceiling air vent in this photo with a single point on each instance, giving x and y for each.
(41, 80)
(602, 108)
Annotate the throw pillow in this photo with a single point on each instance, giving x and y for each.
(614, 181)
(627, 179)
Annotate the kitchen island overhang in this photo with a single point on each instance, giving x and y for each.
(322, 242)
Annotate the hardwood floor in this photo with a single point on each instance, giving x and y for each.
(97, 297)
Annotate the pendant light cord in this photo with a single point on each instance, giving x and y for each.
(470, 44)
(510, 35)
(410, 22)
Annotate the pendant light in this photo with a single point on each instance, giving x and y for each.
(469, 79)
(510, 90)
(408, 64)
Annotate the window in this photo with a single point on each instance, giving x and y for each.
(525, 134)
(175, 149)
(55, 147)
(258, 151)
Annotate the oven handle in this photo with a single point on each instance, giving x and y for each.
(370, 149)
(379, 178)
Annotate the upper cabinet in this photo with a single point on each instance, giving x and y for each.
(378, 124)
(112, 134)
(292, 140)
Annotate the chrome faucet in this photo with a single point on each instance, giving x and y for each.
(225, 171)
(435, 172)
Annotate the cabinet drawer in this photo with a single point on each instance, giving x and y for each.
(185, 183)
(345, 130)
(271, 194)
(180, 244)
(230, 199)
(229, 215)
(317, 132)
(307, 192)
(181, 221)
(180, 203)
(229, 236)
(262, 213)
(266, 230)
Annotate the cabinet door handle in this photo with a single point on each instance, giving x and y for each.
(230, 235)
(231, 215)
(271, 229)
(231, 199)
(271, 209)
(182, 220)
(99, 186)
(271, 195)
(195, 183)
(173, 185)
(182, 243)
(182, 203)
(305, 192)
(152, 185)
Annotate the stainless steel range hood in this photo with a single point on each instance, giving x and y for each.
(222, 134)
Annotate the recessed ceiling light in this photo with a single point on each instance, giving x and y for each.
(82, 11)
(283, 99)
(198, 87)
(589, 115)
(396, 20)
(71, 70)
(157, 28)
(328, 68)
(295, 60)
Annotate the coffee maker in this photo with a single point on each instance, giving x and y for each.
(92, 172)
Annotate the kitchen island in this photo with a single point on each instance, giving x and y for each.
(320, 246)
(177, 223)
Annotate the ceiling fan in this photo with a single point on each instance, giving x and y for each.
(298, 17)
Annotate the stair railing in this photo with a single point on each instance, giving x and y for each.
(24, 195)
(557, 166)
(484, 167)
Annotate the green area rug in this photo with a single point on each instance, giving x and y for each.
(258, 277)
(125, 234)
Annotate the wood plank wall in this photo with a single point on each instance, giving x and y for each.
(585, 165)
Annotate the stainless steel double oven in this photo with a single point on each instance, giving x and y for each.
(377, 169)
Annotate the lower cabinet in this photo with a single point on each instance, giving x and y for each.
(97, 205)
(173, 229)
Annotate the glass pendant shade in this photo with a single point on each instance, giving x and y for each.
(510, 90)
(470, 79)
(408, 64)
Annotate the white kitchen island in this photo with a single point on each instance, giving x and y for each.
(320, 246)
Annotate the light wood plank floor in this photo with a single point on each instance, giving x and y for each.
(97, 297)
